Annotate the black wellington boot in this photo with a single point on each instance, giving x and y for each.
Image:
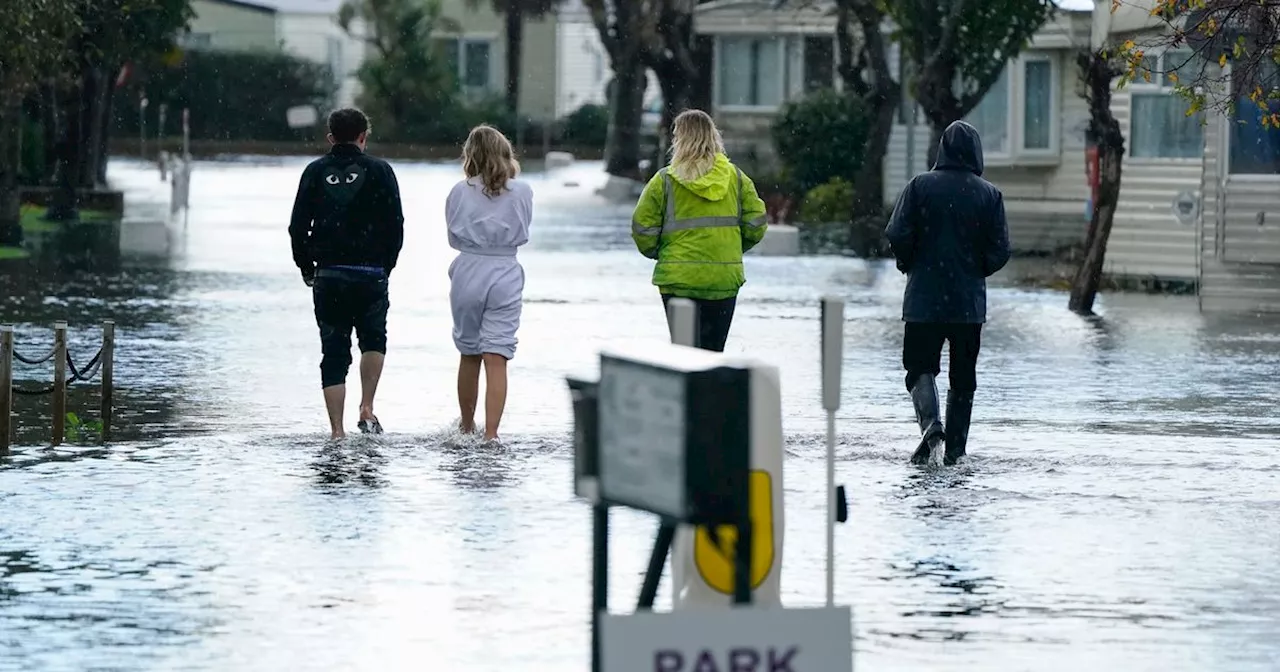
(924, 396)
(959, 411)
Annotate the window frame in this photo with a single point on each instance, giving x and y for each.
(461, 40)
(1141, 87)
(990, 156)
(780, 44)
(1015, 114)
(1054, 150)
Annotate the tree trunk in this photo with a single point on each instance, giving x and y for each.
(10, 163)
(1104, 133)
(868, 189)
(677, 92)
(935, 139)
(515, 50)
(65, 203)
(94, 100)
(51, 128)
(625, 110)
(104, 138)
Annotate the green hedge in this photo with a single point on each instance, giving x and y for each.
(232, 95)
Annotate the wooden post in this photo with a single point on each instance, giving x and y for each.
(108, 369)
(6, 388)
(59, 381)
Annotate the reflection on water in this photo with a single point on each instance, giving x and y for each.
(1118, 502)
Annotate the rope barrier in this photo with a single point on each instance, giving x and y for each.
(34, 361)
(33, 393)
(103, 362)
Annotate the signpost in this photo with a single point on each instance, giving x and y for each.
(678, 432)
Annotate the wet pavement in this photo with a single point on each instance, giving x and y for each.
(1120, 511)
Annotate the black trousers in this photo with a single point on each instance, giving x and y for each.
(922, 353)
(714, 319)
(346, 300)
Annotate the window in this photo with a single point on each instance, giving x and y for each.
(1255, 147)
(1158, 123)
(749, 71)
(991, 117)
(1037, 105)
(819, 63)
(469, 60)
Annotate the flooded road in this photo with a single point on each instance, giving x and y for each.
(1120, 511)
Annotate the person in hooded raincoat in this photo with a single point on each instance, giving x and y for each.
(948, 234)
(696, 217)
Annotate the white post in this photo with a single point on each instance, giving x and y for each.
(832, 364)
(682, 318)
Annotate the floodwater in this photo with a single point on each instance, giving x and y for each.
(1120, 511)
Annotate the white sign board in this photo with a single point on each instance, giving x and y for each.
(302, 116)
(741, 639)
(642, 437)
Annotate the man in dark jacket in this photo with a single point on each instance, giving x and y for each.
(948, 233)
(347, 230)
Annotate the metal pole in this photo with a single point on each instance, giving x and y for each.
(108, 372)
(6, 388)
(832, 366)
(742, 557)
(599, 578)
(657, 558)
(59, 382)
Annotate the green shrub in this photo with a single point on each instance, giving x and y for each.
(587, 126)
(821, 137)
(232, 95)
(827, 203)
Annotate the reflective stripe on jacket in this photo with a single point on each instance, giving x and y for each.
(697, 231)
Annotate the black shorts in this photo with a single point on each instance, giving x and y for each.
(346, 300)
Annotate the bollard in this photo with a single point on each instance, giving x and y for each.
(682, 320)
(6, 388)
(59, 382)
(108, 370)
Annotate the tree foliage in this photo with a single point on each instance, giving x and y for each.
(34, 36)
(821, 137)
(233, 95)
(1210, 36)
(958, 48)
(409, 91)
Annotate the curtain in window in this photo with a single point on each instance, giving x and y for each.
(1160, 128)
(1038, 78)
(749, 71)
(991, 117)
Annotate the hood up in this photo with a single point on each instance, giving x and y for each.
(960, 149)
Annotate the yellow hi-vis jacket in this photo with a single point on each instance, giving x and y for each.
(698, 230)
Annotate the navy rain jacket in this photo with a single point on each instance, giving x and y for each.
(948, 233)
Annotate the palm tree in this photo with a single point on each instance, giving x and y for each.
(515, 12)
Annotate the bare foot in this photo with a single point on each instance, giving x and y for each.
(338, 435)
(467, 427)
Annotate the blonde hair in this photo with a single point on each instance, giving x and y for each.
(695, 142)
(488, 154)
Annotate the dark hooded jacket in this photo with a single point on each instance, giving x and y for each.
(948, 233)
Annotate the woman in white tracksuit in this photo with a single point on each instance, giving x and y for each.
(488, 216)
